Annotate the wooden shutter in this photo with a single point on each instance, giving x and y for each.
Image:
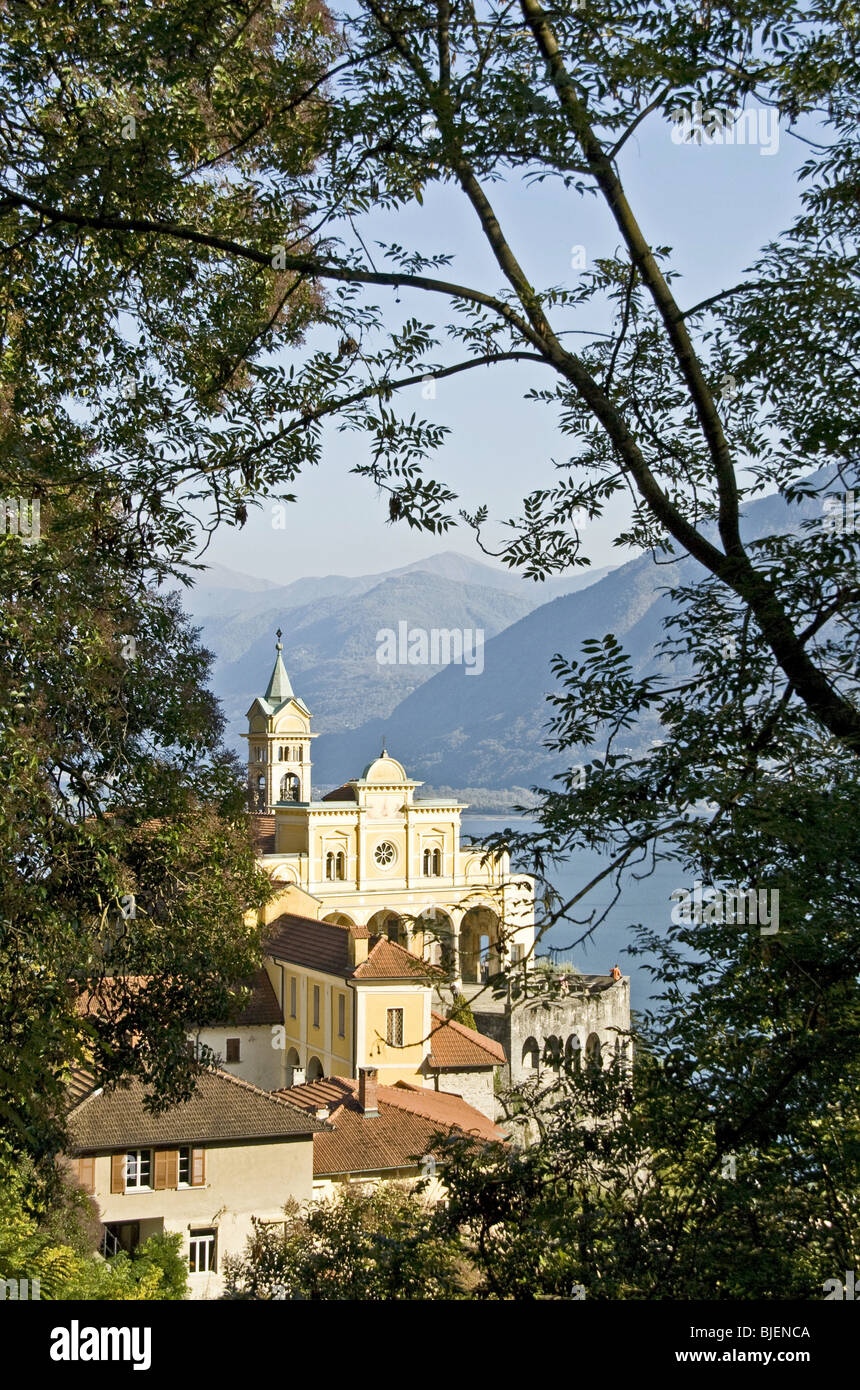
(117, 1173)
(172, 1167)
(87, 1173)
(198, 1167)
(159, 1181)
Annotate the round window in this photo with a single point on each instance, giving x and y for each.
(385, 854)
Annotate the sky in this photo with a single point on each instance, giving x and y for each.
(716, 206)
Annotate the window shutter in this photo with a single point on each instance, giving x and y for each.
(117, 1173)
(172, 1177)
(198, 1167)
(159, 1181)
(87, 1173)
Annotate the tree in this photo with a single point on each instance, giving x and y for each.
(355, 1245)
(48, 1240)
(128, 870)
(460, 94)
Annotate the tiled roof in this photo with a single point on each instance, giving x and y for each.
(454, 1045)
(403, 1131)
(388, 961)
(324, 946)
(262, 1007)
(113, 992)
(316, 945)
(222, 1108)
(263, 834)
(344, 793)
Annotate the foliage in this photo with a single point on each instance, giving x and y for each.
(30, 1248)
(127, 865)
(461, 1012)
(353, 1245)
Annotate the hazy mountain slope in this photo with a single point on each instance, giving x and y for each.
(488, 730)
(330, 645)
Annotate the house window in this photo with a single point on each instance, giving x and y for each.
(233, 1050)
(201, 1252)
(292, 996)
(340, 865)
(191, 1168)
(329, 865)
(138, 1169)
(437, 862)
(341, 1016)
(316, 1006)
(394, 1029)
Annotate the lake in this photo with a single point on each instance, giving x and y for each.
(644, 903)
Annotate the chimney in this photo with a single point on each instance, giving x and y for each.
(367, 1091)
(359, 947)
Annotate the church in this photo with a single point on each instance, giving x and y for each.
(385, 916)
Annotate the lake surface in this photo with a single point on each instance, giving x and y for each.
(646, 903)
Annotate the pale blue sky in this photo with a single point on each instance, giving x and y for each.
(715, 205)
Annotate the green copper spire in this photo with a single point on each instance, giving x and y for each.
(279, 688)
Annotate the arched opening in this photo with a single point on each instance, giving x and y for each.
(293, 1063)
(552, 1052)
(290, 787)
(531, 1056)
(329, 865)
(593, 1056)
(339, 919)
(573, 1053)
(388, 923)
(479, 940)
(433, 938)
(315, 1069)
(340, 864)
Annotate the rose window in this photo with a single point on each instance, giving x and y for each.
(384, 854)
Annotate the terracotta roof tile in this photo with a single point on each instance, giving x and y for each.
(263, 834)
(304, 941)
(324, 946)
(114, 992)
(454, 1045)
(388, 961)
(222, 1108)
(404, 1130)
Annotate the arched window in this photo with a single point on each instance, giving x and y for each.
(531, 1055)
(290, 787)
(261, 755)
(315, 1070)
(437, 862)
(340, 865)
(427, 861)
(552, 1052)
(329, 865)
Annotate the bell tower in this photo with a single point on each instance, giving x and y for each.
(279, 743)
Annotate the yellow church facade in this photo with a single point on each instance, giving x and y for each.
(372, 854)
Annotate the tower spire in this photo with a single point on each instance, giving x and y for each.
(279, 688)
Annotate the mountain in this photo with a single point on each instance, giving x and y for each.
(331, 626)
(459, 729)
